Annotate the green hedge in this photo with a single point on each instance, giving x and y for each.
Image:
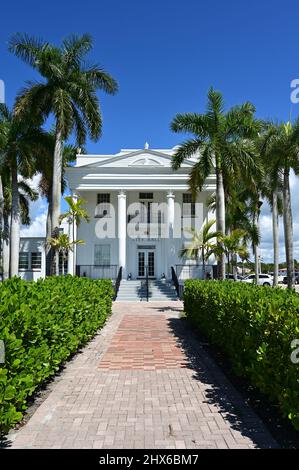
(42, 323)
(254, 326)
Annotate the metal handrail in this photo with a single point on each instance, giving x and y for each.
(175, 282)
(118, 281)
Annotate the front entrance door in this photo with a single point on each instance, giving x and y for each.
(146, 262)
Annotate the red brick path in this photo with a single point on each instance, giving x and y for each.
(108, 397)
(143, 343)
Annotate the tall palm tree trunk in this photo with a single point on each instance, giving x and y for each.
(235, 265)
(5, 246)
(1, 219)
(275, 229)
(56, 186)
(228, 263)
(203, 263)
(1, 204)
(256, 250)
(15, 224)
(49, 252)
(74, 247)
(220, 217)
(256, 253)
(57, 262)
(288, 228)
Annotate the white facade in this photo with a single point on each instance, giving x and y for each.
(138, 212)
(32, 256)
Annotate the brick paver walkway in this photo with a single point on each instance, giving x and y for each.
(143, 382)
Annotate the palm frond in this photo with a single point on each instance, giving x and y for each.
(27, 48)
(186, 150)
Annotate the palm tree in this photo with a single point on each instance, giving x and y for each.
(232, 245)
(200, 244)
(68, 93)
(45, 168)
(23, 144)
(222, 143)
(26, 195)
(241, 203)
(75, 214)
(62, 245)
(271, 189)
(284, 151)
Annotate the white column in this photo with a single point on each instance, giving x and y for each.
(170, 213)
(170, 222)
(122, 230)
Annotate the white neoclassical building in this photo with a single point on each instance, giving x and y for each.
(139, 211)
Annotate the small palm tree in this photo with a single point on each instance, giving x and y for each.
(45, 169)
(201, 244)
(233, 245)
(222, 143)
(68, 93)
(62, 245)
(76, 213)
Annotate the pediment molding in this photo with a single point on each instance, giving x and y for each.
(147, 154)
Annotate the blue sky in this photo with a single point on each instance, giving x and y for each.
(165, 55)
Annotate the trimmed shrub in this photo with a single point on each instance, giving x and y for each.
(41, 324)
(254, 326)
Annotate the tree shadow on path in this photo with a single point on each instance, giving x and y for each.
(220, 394)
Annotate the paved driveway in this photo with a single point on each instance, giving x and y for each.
(143, 382)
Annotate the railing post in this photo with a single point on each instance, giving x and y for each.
(176, 282)
(146, 281)
(117, 282)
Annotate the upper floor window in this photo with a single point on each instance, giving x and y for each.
(103, 197)
(103, 205)
(188, 205)
(146, 196)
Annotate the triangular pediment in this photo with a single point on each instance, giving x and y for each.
(138, 159)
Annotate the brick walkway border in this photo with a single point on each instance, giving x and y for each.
(103, 400)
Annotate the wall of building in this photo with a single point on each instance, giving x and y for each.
(32, 246)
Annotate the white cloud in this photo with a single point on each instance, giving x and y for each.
(38, 214)
(37, 228)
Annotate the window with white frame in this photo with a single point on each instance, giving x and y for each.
(188, 205)
(36, 260)
(103, 205)
(24, 260)
(29, 261)
(146, 195)
(102, 255)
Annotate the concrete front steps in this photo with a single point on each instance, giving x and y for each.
(136, 291)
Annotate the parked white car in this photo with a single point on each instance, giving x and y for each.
(264, 279)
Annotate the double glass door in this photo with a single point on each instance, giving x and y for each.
(146, 262)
